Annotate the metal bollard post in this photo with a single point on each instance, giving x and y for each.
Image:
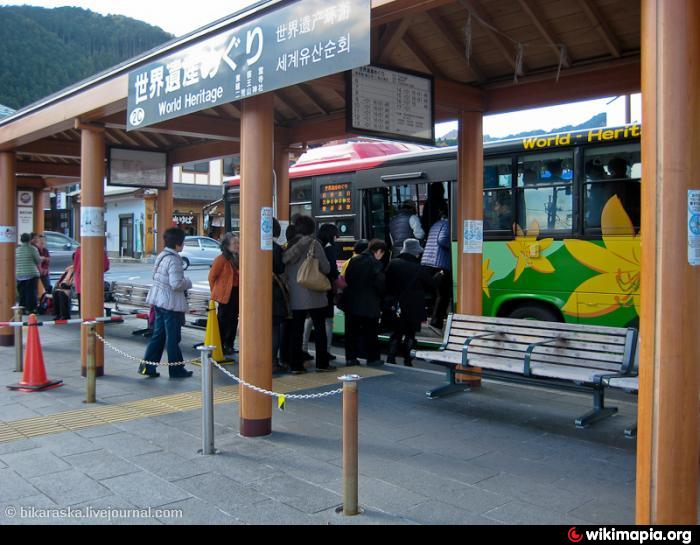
(351, 507)
(91, 396)
(208, 447)
(18, 311)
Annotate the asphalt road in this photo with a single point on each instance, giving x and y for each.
(139, 273)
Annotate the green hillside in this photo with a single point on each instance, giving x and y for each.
(46, 50)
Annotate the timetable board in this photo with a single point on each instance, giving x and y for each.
(391, 104)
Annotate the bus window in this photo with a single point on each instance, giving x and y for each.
(498, 211)
(612, 171)
(301, 197)
(498, 173)
(545, 193)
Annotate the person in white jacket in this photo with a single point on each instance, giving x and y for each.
(168, 297)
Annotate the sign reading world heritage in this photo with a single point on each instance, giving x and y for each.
(301, 41)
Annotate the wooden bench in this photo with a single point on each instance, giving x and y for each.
(629, 384)
(131, 299)
(556, 355)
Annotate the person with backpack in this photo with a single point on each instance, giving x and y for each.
(408, 284)
(168, 296)
(405, 225)
(306, 266)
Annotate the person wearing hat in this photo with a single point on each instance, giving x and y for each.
(408, 283)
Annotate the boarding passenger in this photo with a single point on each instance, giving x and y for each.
(327, 235)
(434, 205)
(27, 263)
(408, 284)
(281, 311)
(305, 301)
(168, 297)
(406, 224)
(362, 300)
(223, 282)
(437, 260)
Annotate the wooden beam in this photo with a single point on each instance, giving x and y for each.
(544, 28)
(201, 152)
(422, 56)
(54, 170)
(291, 107)
(386, 11)
(322, 130)
(391, 38)
(49, 147)
(601, 27)
(615, 78)
(506, 48)
(30, 182)
(457, 48)
(190, 126)
(312, 97)
(454, 97)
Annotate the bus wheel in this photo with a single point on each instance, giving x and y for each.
(535, 312)
(186, 263)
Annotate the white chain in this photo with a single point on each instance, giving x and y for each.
(140, 361)
(268, 393)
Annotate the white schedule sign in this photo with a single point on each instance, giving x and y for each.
(694, 227)
(393, 105)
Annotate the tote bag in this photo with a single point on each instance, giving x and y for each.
(310, 275)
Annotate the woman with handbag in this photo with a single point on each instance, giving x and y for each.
(223, 282)
(306, 268)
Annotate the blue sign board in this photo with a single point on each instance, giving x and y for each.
(298, 42)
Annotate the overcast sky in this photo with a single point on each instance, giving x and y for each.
(178, 18)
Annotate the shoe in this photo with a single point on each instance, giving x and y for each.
(306, 356)
(331, 357)
(279, 370)
(328, 369)
(299, 371)
(393, 351)
(183, 374)
(144, 372)
(409, 346)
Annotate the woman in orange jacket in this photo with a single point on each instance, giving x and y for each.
(223, 281)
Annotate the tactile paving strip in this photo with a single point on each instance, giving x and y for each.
(96, 416)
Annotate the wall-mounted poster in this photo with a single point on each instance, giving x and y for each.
(136, 168)
(391, 104)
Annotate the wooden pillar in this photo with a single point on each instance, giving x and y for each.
(667, 450)
(257, 129)
(165, 205)
(282, 178)
(8, 242)
(92, 236)
(39, 211)
(470, 207)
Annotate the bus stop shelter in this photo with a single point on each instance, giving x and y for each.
(486, 57)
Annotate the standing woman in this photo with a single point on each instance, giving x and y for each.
(39, 242)
(224, 281)
(168, 298)
(304, 300)
(27, 263)
(327, 235)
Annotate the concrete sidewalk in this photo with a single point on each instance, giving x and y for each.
(504, 454)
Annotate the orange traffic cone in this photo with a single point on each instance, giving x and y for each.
(34, 378)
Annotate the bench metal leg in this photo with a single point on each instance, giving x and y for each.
(599, 412)
(450, 388)
(631, 433)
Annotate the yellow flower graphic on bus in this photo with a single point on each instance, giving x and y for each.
(487, 274)
(530, 252)
(618, 263)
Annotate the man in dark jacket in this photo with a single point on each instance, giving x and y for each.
(362, 303)
(406, 224)
(280, 298)
(408, 283)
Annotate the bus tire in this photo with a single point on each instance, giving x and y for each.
(535, 312)
(185, 263)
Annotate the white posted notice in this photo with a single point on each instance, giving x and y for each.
(473, 237)
(8, 234)
(694, 227)
(92, 221)
(266, 215)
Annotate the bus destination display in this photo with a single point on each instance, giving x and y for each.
(393, 105)
(336, 199)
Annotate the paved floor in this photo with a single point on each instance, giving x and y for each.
(503, 454)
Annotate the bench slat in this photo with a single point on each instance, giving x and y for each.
(470, 328)
(571, 350)
(565, 327)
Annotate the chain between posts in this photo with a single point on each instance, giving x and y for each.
(268, 393)
(139, 360)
